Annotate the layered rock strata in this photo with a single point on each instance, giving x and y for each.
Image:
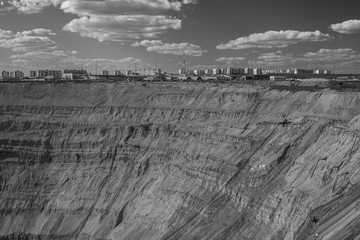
(132, 161)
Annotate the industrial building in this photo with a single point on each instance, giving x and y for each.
(278, 78)
(50, 74)
(68, 76)
(75, 74)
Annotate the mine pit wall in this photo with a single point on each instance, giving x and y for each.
(177, 161)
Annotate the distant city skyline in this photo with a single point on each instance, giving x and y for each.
(119, 34)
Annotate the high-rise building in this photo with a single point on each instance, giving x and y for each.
(303, 71)
(105, 72)
(229, 71)
(234, 71)
(249, 71)
(321, 72)
(19, 74)
(257, 71)
(270, 71)
(182, 71)
(216, 71)
(117, 72)
(33, 74)
(54, 74)
(198, 72)
(5, 74)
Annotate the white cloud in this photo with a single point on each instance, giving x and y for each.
(204, 67)
(43, 31)
(32, 6)
(122, 28)
(114, 20)
(230, 59)
(26, 40)
(347, 27)
(9, 65)
(37, 31)
(330, 55)
(275, 56)
(122, 7)
(274, 39)
(273, 59)
(42, 59)
(120, 63)
(34, 51)
(5, 34)
(43, 55)
(159, 47)
(67, 59)
(339, 60)
(106, 63)
(5, 6)
(100, 7)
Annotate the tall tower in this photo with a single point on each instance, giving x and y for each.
(184, 64)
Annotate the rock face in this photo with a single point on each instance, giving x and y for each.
(131, 161)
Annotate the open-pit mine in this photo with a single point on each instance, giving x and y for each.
(189, 161)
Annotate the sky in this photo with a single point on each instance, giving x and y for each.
(119, 34)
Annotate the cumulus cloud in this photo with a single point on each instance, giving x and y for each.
(122, 7)
(42, 59)
(114, 20)
(273, 59)
(43, 55)
(8, 65)
(32, 6)
(37, 31)
(43, 31)
(26, 40)
(275, 56)
(347, 27)
(274, 39)
(330, 55)
(123, 27)
(5, 6)
(230, 59)
(100, 7)
(204, 67)
(334, 59)
(34, 49)
(5, 34)
(122, 20)
(159, 47)
(28, 43)
(106, 63)
(68, 59)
